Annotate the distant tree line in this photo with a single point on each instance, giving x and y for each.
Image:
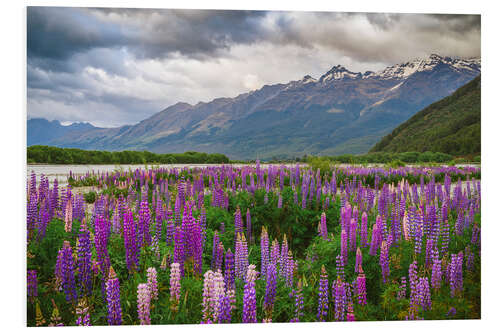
(55, 155)
(388, 157)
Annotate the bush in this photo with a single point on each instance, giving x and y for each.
(396, 164)
(89, 197)
(459, 160)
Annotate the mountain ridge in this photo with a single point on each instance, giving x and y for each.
(451, 125)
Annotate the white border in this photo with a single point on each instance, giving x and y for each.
(13, 122)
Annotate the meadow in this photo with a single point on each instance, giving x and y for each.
(253, 244)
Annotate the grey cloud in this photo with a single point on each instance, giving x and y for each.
(383, 21)
(59, 33)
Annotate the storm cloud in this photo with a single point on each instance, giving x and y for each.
(118, 66)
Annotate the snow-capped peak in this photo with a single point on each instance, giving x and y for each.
(337, 73)
(308, 79)
(400, 71)
(403, 70)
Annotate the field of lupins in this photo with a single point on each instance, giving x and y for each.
(254, 244)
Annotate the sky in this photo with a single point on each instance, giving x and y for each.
(113, 67)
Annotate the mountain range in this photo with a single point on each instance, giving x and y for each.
(341, 112)
(41, 131)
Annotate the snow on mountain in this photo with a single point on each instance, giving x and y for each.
(305, 80)
(404, 70)
(337, 73)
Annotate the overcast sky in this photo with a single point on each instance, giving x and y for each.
(112, 67)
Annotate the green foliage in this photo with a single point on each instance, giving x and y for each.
(89, 197)
(451, 125)
(413, 157)
(396, 164)
(322, 163)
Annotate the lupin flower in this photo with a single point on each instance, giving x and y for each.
(169, 216)
(198, 249)
(323, 295)
(32, 284)
(445, 235)
(129, 239)
(101, 243)
(375, 240)
(68, 217)
(323, 229)
(175, 286)
(413, 277)
(339, 265)
(384, 261)
(455, 273)
(459, 224)
(290, 265)
(155, 247)
(82, 311)
(238, 224)
(364, 230)
(299, 303)
(469, 255)
(406, 227)
(113, 299)
(249, 226)
(283, 257)
(65, 271)
(436, 276)
(340, 299)
(264, 251)
(249, 298)
(343, 245)
(84, 260)
(229, 270)
(359, 260)
(270, 290)
(179, 251)
(144, 303)
(203, 218)
(143, 224)
(350, 313)
(153, 282)
(475, 234)
(241, 257)
(116, 220)
(352, 235)
(429, 249)
(219, 255)
(213, 293)
(402, 289)
(424, 294)
(227, 306)
(361, 287)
